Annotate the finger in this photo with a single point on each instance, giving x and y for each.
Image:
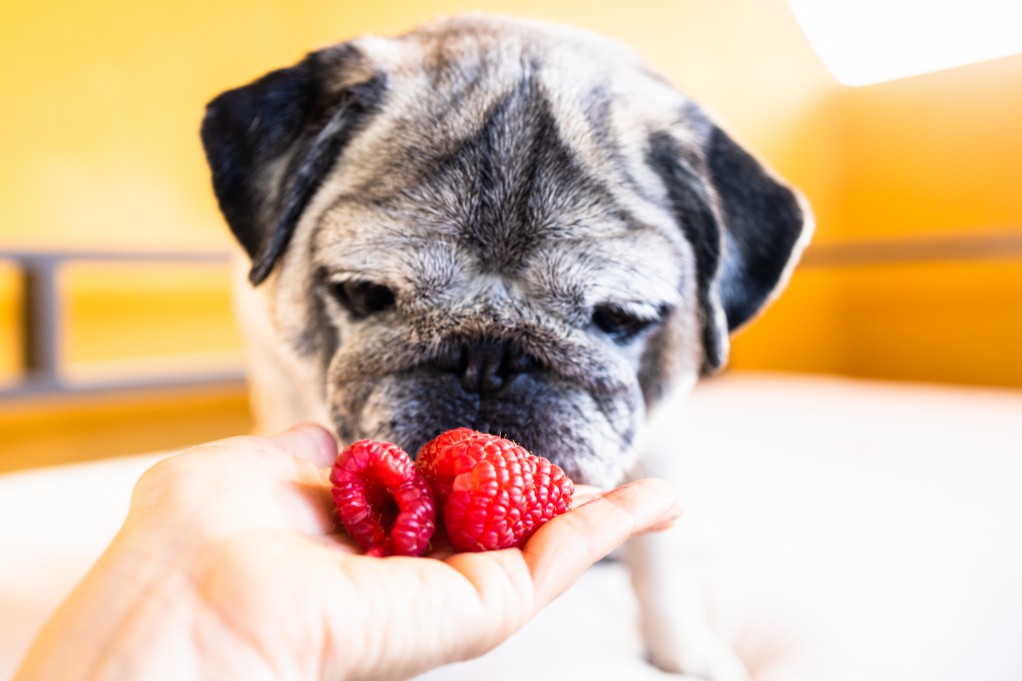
(488, 596)
(309, 442)
(584, 494)
(565, 547)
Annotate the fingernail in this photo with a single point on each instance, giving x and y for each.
(670, 517)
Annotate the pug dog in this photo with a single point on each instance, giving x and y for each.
(507, 225)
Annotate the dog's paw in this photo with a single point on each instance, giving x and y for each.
(700, 654)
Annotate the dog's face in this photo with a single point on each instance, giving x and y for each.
(496, 224)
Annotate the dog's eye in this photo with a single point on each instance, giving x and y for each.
(362, 298)
(619, 324)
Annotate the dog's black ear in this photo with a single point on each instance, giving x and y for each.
(746, 229)
(271, 143)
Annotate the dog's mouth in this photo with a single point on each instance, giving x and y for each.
(591, 441)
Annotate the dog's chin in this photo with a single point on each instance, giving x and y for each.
(565, 426)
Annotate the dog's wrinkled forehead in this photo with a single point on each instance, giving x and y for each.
(516, 99)
(497, 158)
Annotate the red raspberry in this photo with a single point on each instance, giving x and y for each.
(493, 493)
(382, 499)
(429, 457)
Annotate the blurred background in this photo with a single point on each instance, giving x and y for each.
(116, 329)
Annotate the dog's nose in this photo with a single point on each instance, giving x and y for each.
(486, 365)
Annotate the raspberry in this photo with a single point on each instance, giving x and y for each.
(494, 494)
(428, 459)
(382, 499)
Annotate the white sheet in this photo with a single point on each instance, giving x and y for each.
(843, 529)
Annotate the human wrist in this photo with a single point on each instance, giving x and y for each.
(130, 617)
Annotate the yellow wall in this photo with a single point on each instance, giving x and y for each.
(923, 159)
(67, 430)
(936, 154)
(10, 316)
(103, 101)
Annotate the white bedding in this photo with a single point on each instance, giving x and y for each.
(844, 530)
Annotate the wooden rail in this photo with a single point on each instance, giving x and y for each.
(43, 325)
(981, 245)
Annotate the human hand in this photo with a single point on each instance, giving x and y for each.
(230, 565)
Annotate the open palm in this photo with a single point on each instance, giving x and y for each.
(230, 565)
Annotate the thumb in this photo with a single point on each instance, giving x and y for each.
(565, 547)
(310, 442)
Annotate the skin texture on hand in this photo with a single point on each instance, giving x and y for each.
(230, 565)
